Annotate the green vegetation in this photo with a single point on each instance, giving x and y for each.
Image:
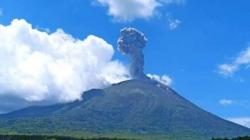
(133, 109)
(238, 138)
(47, 137)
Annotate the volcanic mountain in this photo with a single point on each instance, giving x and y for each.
(142, 109)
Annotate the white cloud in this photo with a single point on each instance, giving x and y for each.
(226, 102)
(243, 59)
(37, 66)
(164, 79)
(244, 121)
(227, 69)
(128, 10)
(173, 23)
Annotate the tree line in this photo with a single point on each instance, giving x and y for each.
(46, 137)
(238, 138)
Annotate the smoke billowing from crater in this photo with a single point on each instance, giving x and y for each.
(132, 43)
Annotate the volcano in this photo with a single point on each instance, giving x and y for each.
(140, 109)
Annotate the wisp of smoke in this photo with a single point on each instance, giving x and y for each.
(131, 43)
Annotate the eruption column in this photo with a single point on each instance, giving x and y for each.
(131, 43)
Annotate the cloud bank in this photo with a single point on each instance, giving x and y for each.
(128, 10)
(243, 59)
(37, 66)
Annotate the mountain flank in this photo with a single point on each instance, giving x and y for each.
(142, 108)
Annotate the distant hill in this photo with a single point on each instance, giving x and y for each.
(142, 109)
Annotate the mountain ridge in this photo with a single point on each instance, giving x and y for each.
(139, 107)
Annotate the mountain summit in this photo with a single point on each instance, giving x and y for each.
(142, 109)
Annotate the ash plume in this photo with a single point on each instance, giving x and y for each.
(132, 43)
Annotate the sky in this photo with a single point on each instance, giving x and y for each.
(51, 51)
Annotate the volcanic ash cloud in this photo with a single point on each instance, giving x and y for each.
(132, 43)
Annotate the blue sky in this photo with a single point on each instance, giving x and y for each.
(201, 45)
